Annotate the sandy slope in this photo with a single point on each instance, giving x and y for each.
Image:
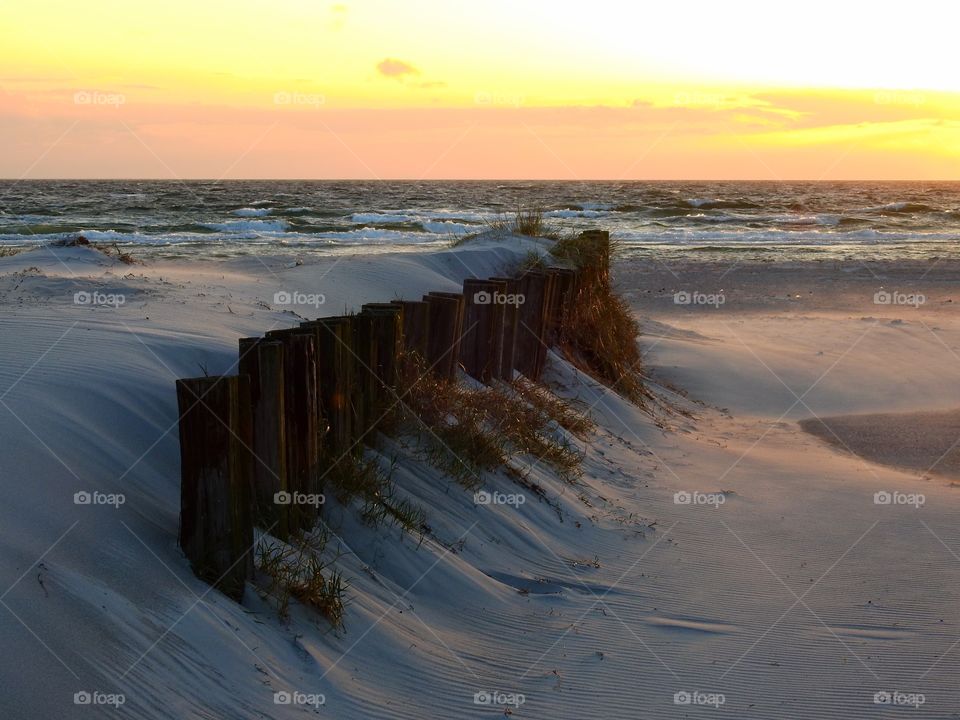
(797, 597)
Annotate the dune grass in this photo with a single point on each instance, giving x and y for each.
(353, 477)
(467, 431)
(601, 333)
(298, 571)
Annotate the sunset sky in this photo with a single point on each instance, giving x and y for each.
(432, 89)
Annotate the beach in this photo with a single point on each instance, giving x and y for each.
(715, 556)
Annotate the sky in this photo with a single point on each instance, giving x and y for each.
(374, 89)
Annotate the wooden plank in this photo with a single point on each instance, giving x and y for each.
(445, 322)
(530, 348)
(458, 323)
(336, 370)
(301, 420)
(262, 361)
(216, 527)
(482, 345)
(387, 328)
(416, 326)
(511, 323)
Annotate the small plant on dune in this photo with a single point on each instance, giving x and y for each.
(353, 476)
(501, 225)
(125, 258)
(527, 429)
(549, 405)
(451, 429)
(298, 571)
(529, 221)
(523, 221)
(468, 431)
(601, 332)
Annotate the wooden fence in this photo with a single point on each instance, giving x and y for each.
(252, 445)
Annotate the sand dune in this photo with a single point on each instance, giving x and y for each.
(796, 595)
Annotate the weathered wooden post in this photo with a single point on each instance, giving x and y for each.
(216, 527)
(511, 322)
(531, 328)
(364, 387)
(386, 327)
(482, 344)
(335, 367)
(564, 278)
(262, 361)
(416, 326)
(301, 416)
(554, 305)
(446, 327)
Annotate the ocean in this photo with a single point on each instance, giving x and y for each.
(178, 218)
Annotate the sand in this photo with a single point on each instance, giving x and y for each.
(714, 551)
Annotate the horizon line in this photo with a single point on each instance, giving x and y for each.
(492, 179)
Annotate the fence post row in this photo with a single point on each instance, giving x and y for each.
(251, 445)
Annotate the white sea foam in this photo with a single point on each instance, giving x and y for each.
(574, 213)
(382, 218)
(252, 212)
(242, 226)
(448, 227)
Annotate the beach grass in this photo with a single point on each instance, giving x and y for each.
(601, 333)
(467, 431)
(298, 571)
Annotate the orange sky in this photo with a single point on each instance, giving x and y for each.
(431, 89)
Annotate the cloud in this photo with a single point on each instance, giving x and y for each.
(396, 68)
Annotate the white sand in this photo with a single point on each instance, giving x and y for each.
(797, 597)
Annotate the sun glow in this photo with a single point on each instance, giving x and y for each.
(563, 89)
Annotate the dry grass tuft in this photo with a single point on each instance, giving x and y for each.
(297, 571)
(351, 476)
(469, 431)
(601, 336)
